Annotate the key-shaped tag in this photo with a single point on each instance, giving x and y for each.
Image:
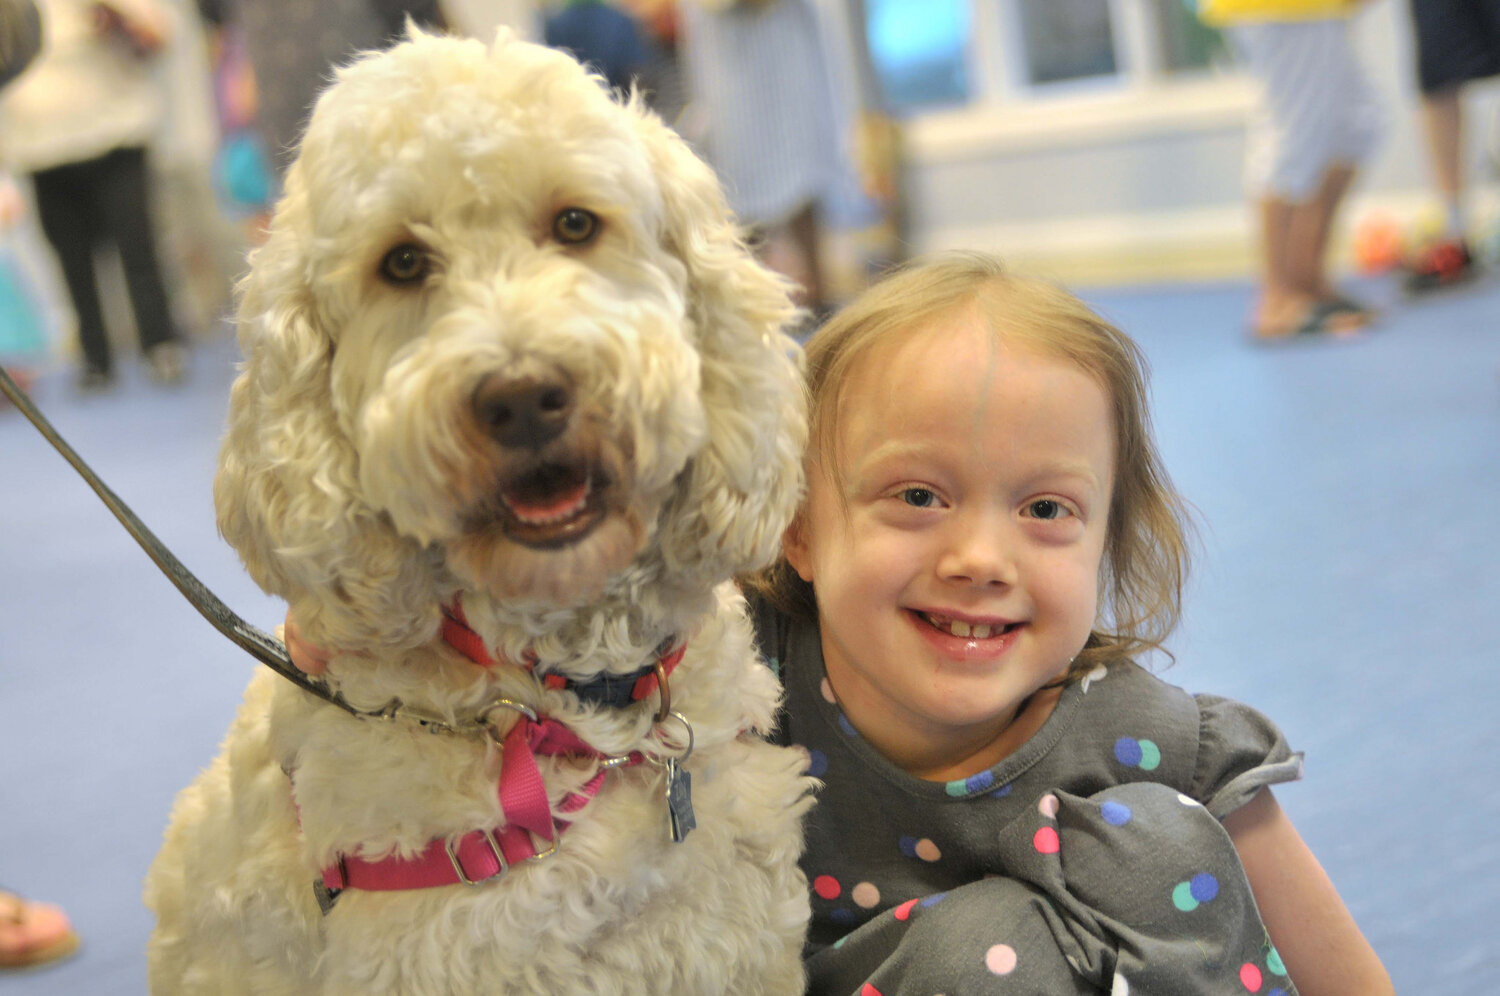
(679, 800)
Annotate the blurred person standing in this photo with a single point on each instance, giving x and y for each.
(21, 339)
(79, 121)
(602, 36)
(294, 46)
(760, 76)
(1458, 41)
(1319, 118)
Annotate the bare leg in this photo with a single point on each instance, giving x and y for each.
(804, 263)
(1311, 230)
(1442, 113)
(1446, 260)
(1295, 240)
(806, 233)
(1283, 302)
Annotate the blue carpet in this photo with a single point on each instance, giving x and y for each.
(1348, 585)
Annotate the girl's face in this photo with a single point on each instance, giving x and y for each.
(955, 548)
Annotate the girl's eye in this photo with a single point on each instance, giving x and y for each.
(575, 226)
(918, 497)
(405, 264)
(1047, 508)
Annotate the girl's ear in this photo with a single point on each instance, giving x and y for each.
(794, 548)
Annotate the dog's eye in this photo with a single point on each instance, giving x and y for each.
(405, 264)
(575, 226)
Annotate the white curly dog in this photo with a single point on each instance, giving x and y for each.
(516, 404)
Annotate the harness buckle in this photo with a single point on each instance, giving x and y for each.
(551, 850)
(451, 846)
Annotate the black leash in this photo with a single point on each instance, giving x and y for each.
(259, 644)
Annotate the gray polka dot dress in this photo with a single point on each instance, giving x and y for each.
(1090, 860)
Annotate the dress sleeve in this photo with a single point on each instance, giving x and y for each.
(1240, 752)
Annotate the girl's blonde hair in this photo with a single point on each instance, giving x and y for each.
(1146, 549)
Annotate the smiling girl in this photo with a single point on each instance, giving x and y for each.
(987, 540)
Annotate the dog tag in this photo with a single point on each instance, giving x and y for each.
(326, 897)
(679, 800)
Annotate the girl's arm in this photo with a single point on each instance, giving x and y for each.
(1317, 938)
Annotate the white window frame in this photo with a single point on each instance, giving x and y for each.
(1006, 110)
(998, 61)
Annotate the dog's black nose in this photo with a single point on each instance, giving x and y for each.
(524, 411)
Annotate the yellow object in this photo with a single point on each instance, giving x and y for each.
(1223, 12)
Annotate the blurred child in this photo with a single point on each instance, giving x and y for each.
(1458, 42)
(80, 121)
(1319, 118)
(23, 341)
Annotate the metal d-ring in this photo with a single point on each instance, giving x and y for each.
(664, 694)
(688, 751)
(483, 717)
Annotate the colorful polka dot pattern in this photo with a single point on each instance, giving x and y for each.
(1135, 753)
(861, 905)
(1252, 978)
(924, 849)
(973, 785)
(1001, 959)
(1189, 895)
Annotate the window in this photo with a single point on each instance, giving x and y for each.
(935, 53)
(919, 48)
(1067, 39)
(1185, 43)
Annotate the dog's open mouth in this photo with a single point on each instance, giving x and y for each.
(552, 504)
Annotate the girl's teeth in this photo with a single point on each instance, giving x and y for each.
(959, 628)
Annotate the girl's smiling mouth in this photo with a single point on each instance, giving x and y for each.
(967, 629)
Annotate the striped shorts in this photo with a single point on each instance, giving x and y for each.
(1317, 107)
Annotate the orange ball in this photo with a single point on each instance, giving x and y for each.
(1377, 244)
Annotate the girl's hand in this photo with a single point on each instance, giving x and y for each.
(309, 659)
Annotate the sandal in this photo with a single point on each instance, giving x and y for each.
(1338, 319)
(1341, 305)
(33, 934)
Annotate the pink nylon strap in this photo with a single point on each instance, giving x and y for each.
(523, 797)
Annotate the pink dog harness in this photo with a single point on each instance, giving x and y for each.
(532, 828)
(483, 854)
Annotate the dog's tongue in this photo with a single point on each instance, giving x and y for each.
(549, 495)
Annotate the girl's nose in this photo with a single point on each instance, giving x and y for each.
(978, 552)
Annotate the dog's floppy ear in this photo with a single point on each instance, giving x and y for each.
(741, 489)
(286, 492)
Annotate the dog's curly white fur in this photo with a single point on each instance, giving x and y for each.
(468, 227)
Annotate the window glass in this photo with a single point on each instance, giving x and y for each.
(1184, 41)
(919, 48)
(1067, 39)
